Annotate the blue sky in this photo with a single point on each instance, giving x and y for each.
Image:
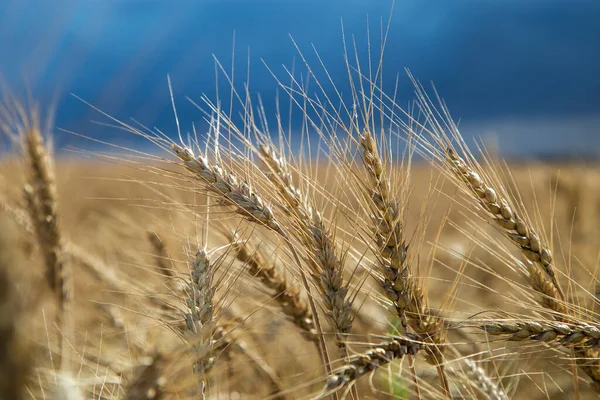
(515, 69)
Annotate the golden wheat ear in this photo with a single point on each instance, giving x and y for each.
(288, 296)
(42, 205)
(362, 364)
(200, 319)
(397, 275)
(520, 232)
(323, 253)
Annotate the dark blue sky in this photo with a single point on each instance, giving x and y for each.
(510, 68)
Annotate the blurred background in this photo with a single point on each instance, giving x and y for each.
(525, 72)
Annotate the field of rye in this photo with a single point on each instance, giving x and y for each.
(372, 255)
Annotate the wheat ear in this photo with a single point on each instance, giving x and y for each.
(199, 318)
(388, 231)
(566, 334)
(41, 199)
(484, 383)
(287, 296)
(327, 268)
(40, 195)
(392, 253)
(362, 364)
(234, 191)
(517, 230)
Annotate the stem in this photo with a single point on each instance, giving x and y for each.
(415, 378)
(443, 381)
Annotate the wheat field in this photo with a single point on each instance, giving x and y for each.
(384, 259)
